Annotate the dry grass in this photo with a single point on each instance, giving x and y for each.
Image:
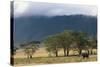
(52, 60)
(41, 52)
(41, 57)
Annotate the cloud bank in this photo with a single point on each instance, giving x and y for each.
(27, 8)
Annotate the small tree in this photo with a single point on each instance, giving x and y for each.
(15, 50)
(29, 49)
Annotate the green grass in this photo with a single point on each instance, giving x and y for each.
(52, 60)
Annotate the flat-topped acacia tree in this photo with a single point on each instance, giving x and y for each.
(29, 48)
(52, 44)
(66, 40)
(80, 38)
(59, 41)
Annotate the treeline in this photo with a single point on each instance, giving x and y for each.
(69, 40)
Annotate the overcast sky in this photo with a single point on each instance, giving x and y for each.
(22, 8)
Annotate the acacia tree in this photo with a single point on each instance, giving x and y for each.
(52, 44)
(29, 48)
(66, 40)
(93, 44)
(59, 41)
(80, 39)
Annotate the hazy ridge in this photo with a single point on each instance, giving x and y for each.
(28, 28)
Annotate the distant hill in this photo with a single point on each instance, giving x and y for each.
(30, 28)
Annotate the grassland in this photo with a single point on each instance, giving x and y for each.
(41, 57)
(49, 60)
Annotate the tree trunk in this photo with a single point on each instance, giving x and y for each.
(56, 53)
(88, 52)
(67, 52)
(30, 56)
(64, 52)
(91, 52)
(80, 51)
